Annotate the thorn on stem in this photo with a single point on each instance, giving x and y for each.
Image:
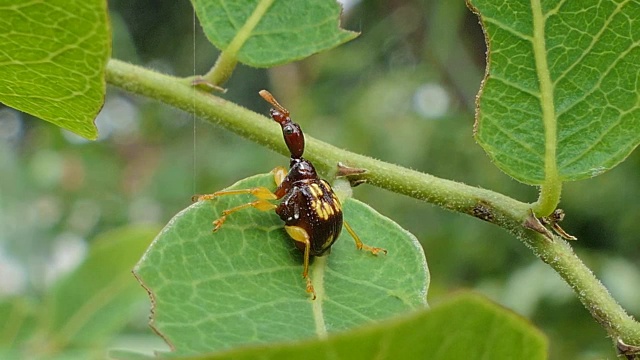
(204, 85)
(349, 172)
(553, 220)
(533, 223)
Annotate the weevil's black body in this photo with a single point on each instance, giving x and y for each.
(311, 204)
(307, 202)
(310, 209)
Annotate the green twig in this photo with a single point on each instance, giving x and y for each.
(487, 205)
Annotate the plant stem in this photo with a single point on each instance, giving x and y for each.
(487, 205)
(595, 297)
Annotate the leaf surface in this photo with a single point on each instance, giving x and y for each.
(467, 326)
(265, 33)
(243, 283)
(560, 95)
(52, 60)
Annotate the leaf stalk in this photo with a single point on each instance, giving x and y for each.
(552, 186)
(222, 70)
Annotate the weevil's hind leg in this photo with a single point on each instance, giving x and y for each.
(262, 193)
(262, 205)
(359, 244)
(300, 235)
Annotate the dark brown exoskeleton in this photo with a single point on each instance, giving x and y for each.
(311, 211)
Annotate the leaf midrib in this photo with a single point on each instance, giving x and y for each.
(550, 188)
(317, 276)
(247, 28)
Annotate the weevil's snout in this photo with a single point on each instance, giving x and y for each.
(294, 138)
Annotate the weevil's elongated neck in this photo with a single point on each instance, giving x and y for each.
(292, 133)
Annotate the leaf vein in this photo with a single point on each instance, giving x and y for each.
(594, 40)
(508, 28)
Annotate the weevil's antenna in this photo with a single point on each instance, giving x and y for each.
(271, 100)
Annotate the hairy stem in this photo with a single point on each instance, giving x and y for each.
(487, 205)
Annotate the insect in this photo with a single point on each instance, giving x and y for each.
(310, 209)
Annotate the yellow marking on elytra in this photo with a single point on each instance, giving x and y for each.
(336, 202)
(315, 190)
(329, 241)
(319, 209)
(328, 208)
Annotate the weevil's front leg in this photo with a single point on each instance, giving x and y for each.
(359, 244)
(262, 193)
(279, 173)
(300, 235)
(284, 184)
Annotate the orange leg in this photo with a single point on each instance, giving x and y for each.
(261, 205)
(262, 193)
(259, 192)
(359, 244)
(300, 235)
(279, 173)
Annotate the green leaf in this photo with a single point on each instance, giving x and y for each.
(560, 98)
(243, 283)
(467, 326)
(53, 56)
(95, 301)
(17, 323)
(264, 33)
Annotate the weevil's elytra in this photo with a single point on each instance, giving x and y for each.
(312, 205)
(308, 205)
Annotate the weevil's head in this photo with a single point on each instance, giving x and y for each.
(292, 133)
(301, 169)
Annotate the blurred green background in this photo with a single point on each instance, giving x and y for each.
(402, 92)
